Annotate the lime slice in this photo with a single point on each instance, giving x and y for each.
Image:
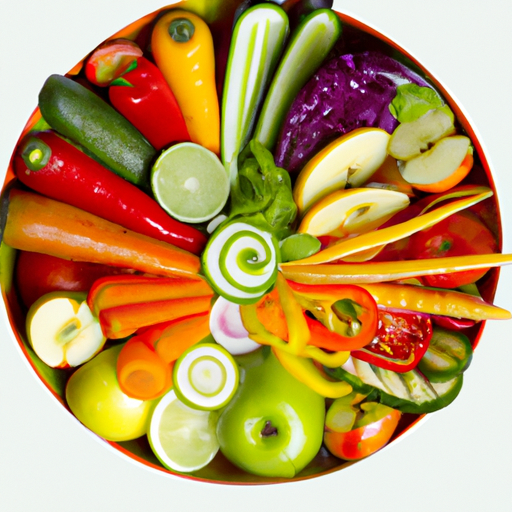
(190, 182)
(182, 438)
(205, 377)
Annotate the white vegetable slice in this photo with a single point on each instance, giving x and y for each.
(205, 377)
(228, 330)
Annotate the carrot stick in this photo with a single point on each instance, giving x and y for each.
(122, 321)
(130, 289)
(179, 335)
(38, 224)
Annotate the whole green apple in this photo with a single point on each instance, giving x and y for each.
(95, 398)
(274, 424)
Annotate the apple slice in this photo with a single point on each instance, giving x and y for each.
(350, 159)
(411, 139)
(440, 168)
(351, 212)
(62, 330)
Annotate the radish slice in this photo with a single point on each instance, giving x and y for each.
(228, 330)
(205, 377)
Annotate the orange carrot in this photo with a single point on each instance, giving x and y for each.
(107, 293)
(122, 321)
(179, 335)
(38, 224)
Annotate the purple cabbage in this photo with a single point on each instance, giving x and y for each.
(348, 92)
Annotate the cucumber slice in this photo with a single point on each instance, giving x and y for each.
(256, 45)
(205, 377)
(309, 46)
(240, 262)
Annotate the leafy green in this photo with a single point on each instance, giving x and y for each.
(263, 191)
(412, 101)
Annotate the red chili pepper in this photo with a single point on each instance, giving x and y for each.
(138, 90)
(142, 95)
(51, 166)
(402, 339)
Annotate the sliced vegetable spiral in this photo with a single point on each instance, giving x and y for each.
(240, 261)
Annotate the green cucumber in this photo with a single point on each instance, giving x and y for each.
(310, 44)
(80, 115)
(409, 392)
(256, 45)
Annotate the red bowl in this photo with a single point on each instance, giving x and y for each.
(357, 35)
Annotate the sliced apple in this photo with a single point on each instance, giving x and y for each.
(411, 139)
(62, 330)
(440, 168)
(350, 159)
(350, 212)
(388, 177)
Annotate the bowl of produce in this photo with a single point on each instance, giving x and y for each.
(249, 242)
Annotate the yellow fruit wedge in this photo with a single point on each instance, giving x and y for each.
(351, 212)
(350, 159)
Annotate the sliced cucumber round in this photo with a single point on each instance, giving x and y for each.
(310, 44)
(205, 377)
(256, 45)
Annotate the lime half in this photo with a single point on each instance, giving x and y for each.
(182, 438)
(190, 182)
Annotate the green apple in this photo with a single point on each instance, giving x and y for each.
(274, 424)
(95, 398)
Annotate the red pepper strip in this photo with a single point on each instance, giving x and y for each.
(402, 339)
(143, 96)
(121, 321)
(51, 166)
(320, 299)
(120, 290)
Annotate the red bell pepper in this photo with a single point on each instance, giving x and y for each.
(51, 166)
(139, 92)
(401, 341)
(348, 311)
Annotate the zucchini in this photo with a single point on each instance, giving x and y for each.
(80, 115)
(257, 43)
(310, 44)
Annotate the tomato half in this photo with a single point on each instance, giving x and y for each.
(401, 341)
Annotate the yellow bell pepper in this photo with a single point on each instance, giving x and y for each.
(182, 47)
(381, 271)
(304, 370)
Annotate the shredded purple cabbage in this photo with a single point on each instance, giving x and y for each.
(348, 92)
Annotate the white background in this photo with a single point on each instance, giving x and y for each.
(458, 460)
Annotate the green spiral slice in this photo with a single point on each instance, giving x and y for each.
(240, 261)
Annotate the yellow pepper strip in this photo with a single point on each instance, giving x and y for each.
(182, 47)
(304, 369)
(390, 234)
(435, 301)
(381, 271)
(298, 331)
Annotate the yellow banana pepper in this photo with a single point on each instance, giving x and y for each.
(182, 47)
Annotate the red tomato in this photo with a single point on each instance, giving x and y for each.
(401, 341)
(37, 274)
(365, 440)
(460, 234)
